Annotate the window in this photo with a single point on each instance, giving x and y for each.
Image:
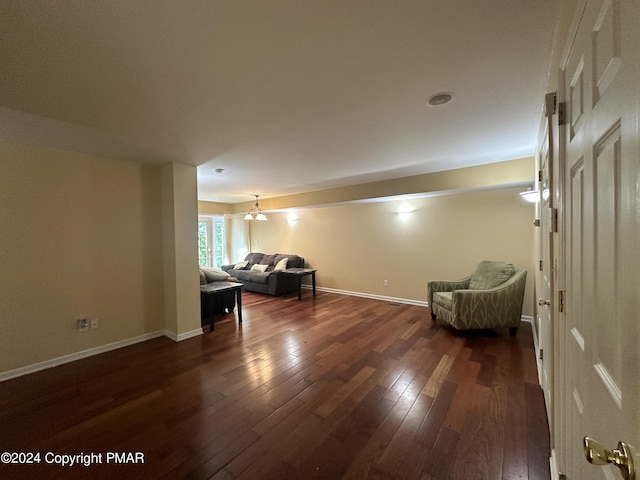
(210, 241)
(236, 238)
(218, 242)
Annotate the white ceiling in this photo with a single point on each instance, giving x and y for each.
(287, 96)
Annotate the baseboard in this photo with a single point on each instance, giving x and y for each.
(72, 357)
(183, 336)
(528, 319)
(536, 346)
(369, 295)
(420, 303)
(553, 466)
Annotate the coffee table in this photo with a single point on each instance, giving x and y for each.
(298, 273)
(214, 291)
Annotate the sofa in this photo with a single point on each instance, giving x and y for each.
(261, 273)
(491, 297)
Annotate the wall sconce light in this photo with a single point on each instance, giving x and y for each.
(530, 196)
(292, 219)
(404, 212)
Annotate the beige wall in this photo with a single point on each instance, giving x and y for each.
(80, 236)
(180, 250)
(214, 208)
(356, 247)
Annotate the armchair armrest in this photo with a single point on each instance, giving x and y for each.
(446, 286)
(485, 308)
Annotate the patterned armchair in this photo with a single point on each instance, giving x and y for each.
(490, 298)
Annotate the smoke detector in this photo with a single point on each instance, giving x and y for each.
(440, 99)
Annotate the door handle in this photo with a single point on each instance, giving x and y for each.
(542, 302)
(598, 454)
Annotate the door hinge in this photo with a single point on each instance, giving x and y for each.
(550, 104)
(562, 476)
(540, 265)
(561, 113)
(554, 220)
(541, 355)
(561, 295)
(539, 175)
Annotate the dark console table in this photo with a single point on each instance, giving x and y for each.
(298, 273)
(212, 296)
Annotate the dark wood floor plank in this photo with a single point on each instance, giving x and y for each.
(515, 440)
(461, 404)
(365, 463)
(437, 466)
(270, 448)
(429, 431)
(480, 449)
(404, 443)
(328, 387)
(537, 433)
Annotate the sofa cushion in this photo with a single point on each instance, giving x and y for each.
(293, 261)
(444, 299)
(203, 279)
(214, 274)
(269, 261)
(255, 276)
(491, 274)
(253, 258)
(242, 275)
(259, 277)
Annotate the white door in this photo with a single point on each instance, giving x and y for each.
(547, 261)
(600, 337)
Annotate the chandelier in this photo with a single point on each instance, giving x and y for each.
(255, 213)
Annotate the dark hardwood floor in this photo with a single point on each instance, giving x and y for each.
(330, 387)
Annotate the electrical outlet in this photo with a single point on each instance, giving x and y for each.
(385, 283)
(94, 323)
(83, 324)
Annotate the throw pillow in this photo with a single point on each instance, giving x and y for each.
(241, 265)
(282, 264)
(260, 268)
(490, 274)
(214, 274)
